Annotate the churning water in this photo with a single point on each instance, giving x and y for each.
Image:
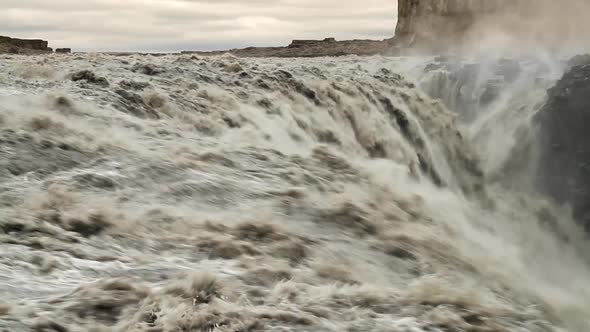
(178, 193)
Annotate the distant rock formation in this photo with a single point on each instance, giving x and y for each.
(63, 50)
(311, 48)
(15, 45)
(306, 43)
(34, 44)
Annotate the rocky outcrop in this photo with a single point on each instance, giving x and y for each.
(563, 127)
(33, 44)
(15, 45)
(63, 50)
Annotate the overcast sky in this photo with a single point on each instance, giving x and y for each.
(169, 25)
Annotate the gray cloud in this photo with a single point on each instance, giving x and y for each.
(161, 25)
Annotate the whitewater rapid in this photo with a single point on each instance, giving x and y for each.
(184, 193)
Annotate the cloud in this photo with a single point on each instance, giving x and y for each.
(160, 25)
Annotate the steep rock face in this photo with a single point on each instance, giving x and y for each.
(439, 24)
(422, 21)
(564, 124)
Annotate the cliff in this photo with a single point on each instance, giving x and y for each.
(15, 45)
(436, 23)
(563, 126)
(441, 24)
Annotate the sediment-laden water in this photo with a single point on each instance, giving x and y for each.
(183, 193)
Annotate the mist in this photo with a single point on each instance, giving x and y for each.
(557, 27)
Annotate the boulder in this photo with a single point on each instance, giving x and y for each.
(63, 50)
(563, 129)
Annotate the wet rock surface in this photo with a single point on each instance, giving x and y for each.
(564, 165)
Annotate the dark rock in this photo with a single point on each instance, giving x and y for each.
(63, 50)
(90, 77)
(582, 59)
(563, 136)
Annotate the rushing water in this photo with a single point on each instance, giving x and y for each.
(224, 194)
